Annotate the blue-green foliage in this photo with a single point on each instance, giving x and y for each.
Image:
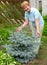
(21, 47)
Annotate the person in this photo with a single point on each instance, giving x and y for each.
(35, 21)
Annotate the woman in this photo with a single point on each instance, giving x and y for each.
(35, 20)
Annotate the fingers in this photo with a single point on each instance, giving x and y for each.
(18, 29)
(39, 34)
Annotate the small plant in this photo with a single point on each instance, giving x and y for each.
(6, 59)
(4, 34)
(21, 47)
(45, 26)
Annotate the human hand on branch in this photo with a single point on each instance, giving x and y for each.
(18, 29)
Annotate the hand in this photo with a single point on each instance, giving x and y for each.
(38, 34)
(18, 29)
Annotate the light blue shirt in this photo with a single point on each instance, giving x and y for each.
(34, 14)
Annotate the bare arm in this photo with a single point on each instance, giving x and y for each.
(38, 27)
(22, 26)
